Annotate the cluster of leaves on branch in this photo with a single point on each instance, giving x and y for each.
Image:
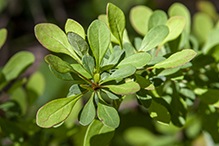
(177, 85)
(108, 63)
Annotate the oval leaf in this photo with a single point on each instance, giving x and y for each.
(98, 134)
(139, 17)
(99, 38)
(58, 64)
(137, 60)
(108, 115)
(73, 26)
(158, 17)
(116, 21)
(212, 40)
(154, 37)
(88, 64)
(55, 111)
(121, 73)
(175, 25)
(54, 39)
(87, 113)
(124, 89)
(3, 36)
(176, 59)
(79, 45)
(17, 65)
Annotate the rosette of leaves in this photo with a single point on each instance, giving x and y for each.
(107, 63)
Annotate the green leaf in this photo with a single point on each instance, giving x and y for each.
(3, 36)
(208, 8)
(129, 49)
(176, 59)
(139, 16)
(110, 94)
(137, 60)
(73, 26)
(58, 64)
(108, 115)
(17, 65)
(154, 37)
(99, 38)
(121, 73)
(178, 9)
(66, 76)
(87, 113)
(212, 40)
(74, 90)
(143, 82)
(202, 26)
(158, 17)
(55, 111)
(54, 39)
(79, 45)
(98, 134)
(144, 98)
(88, 64)
(116, 21)
(159, 112)
(81, 70)
(129, 87)
(175, 25)
(104, 18)
(115, 56)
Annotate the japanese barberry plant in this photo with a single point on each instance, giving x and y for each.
(107, 67)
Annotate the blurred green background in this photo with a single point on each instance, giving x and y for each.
(20, 16)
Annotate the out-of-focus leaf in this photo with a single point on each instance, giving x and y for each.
(176, 59)
(3, 36)
(99, 38)
(98, 134)
(54, 39)
(108, 115)
(202, 26)
(158, 17)
(139, 16)
(111, 95)
(208, 8)
(116, 21)
(154, 37)
(175, 25)
(124, 89)
(178, 9)
(73, 26)
(212, 40)
(17, 65)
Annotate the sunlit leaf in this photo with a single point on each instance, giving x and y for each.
(175, 25)
(54, 39)
(73, 26)
(139, 16)
(208, 8)
(116, 21)
(176, 59)
(154, 37)
(55, 111)
(124, 89)
(137, 60)
(212, 40)
(99, 38)
(158, 17)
